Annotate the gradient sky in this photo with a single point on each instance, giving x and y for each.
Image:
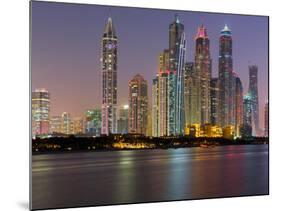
(66, 49)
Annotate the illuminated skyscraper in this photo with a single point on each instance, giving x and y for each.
(40, 112)
(191, 95)
(214, 93)
(226, 80)
(163, 72)
(122, 122)
(66, 123)
(246, 129)
(55, 124)
(238, 105)
(266, 122)
(253, 91)
(177, 47)
(155, 107)
(109, 79)
(138, 105)
(93, 122)
(203, 67)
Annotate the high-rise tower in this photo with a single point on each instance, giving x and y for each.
(191, 95)
(226, 81)
(109, 79)
(203, 67)
(40, 112)
(138, 105)
(177, 48)
(238, 105)
(253, 92)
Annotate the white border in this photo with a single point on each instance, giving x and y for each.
(14, 86)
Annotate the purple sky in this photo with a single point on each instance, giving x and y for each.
(66, 45)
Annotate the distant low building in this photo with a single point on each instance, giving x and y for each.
(93, 122)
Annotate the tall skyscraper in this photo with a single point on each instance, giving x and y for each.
(191, 95)
(138, 105)
(253, 91)
(266, 122)
(177, 48)
(226, 81)
(163, 72)
(155, 107)
(109, 79)
(238, 105)
(55, 124)
(214, 93)
(123, 118)
(203, 67)
(40, 112)
(93, 122)
(66, 123)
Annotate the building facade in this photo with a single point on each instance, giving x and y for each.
(191, 95)
(55, 124)
(203, 67)
(138, 105)
(155, 107)
(226, 79)
(246, 128)
(93, 122)
(122, 122)
(253, 91)
(40, 112)
(214, 95)
(66, 124)
(109, 79)
(175, 77)
(238, 105)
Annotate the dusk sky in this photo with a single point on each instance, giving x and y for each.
(66, 49)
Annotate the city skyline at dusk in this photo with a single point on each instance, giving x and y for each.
(66, 49)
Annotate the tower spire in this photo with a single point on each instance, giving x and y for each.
(109, 28)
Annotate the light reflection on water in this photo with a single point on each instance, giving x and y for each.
(96, 178)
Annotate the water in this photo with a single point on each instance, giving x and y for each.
(99, 178)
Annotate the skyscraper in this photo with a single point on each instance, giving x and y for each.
(266, 122)
(214, 94)
(163, 72)
(109, 79)
(177, 48)
(40, 112)
(253, 92)
(93, 122)
(203, 67)
(191, 95)
(155, 107)
(138, 105)
(246, 129)
(122, 122)
(66, 123)
(55, 124)
(238, 105)
(226, 81)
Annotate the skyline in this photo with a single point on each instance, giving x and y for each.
(90, 79)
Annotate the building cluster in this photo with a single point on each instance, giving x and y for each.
(186, 99)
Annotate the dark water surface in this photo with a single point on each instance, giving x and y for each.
(115, 177)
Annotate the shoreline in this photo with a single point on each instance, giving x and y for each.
(138, 149)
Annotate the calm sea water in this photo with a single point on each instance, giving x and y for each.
(99, 178)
